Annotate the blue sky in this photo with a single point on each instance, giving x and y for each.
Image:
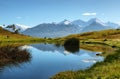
(34, 12)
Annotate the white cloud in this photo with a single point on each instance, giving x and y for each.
(18, 17)
(89, 14)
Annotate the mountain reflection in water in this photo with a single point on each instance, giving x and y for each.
(49, 59)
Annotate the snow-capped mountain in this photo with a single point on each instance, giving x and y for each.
(17, 26)
(95, 25)
(67, 27)
(95, 20)
(52, 30)
(22, 27)
(65, 22)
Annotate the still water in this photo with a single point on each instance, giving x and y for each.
(47, 60)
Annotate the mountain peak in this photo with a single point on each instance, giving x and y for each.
(79, 22)
(24, 27)
(65, 21)
(96, 20)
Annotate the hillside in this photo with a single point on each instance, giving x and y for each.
(7, 36)
(109, 37)
(104, 34)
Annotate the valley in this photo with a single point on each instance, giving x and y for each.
(98, 49)
(60, 39)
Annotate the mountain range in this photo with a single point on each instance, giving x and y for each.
(66, 27)
(95, 25)
(52, 30)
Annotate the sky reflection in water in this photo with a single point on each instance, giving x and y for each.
(47, 60)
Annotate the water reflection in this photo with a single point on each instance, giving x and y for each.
(72, 45)
(13, 56)
(49, 59)
(71, 49)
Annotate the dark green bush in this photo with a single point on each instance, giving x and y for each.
(71, 45)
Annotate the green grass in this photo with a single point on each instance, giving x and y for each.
(7, 37)
(104, 34)
(105, 49)
(109, 69)
(107, 37)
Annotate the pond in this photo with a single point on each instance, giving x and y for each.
(47, 60)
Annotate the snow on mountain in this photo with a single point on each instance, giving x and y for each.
(65, 22)
(95, 25)
(95, 20)
(113, 25)
(22, 27)
(67, 27)
(52, 30)
(17, 26)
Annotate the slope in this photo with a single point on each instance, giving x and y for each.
(107, 37)
(7, 36)
(108, 34)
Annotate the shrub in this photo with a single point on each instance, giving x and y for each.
(72, 45)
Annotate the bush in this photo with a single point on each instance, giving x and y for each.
(72, 45)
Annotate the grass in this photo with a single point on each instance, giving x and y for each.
(109, 69)
(10, 37)
(109, 37)
(104, 34)
(105, 49)
(6, 36)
